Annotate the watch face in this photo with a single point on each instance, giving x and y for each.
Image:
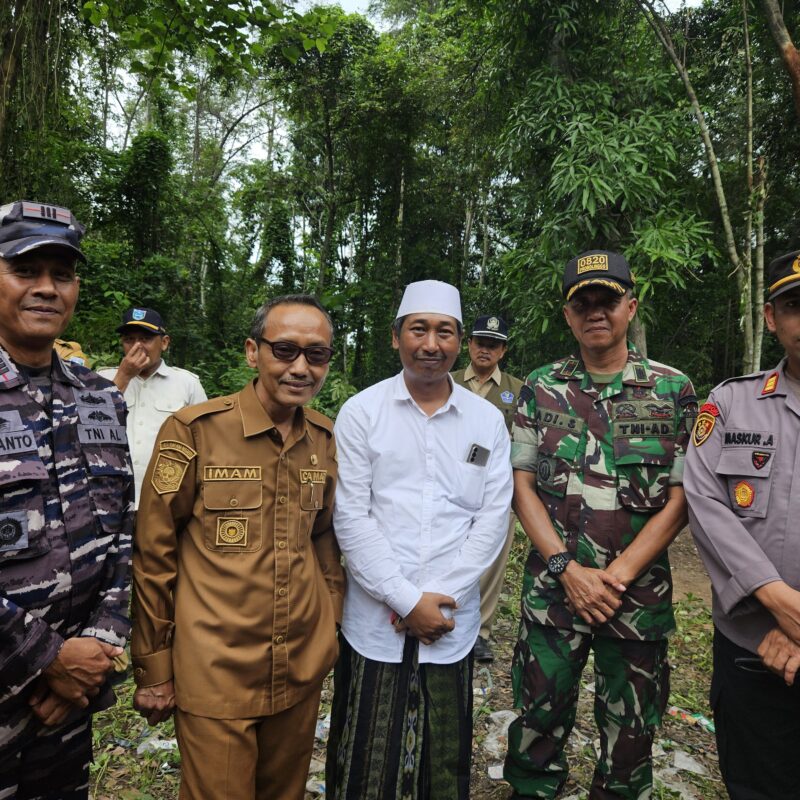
(557, 564)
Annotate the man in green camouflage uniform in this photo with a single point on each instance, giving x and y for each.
(598, 449)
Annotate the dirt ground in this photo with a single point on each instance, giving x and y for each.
(676, 738)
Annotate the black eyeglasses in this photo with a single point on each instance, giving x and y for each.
(316, 355)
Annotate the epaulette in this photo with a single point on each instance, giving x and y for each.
(320, 420)
(189, 414)
(749, 377)
(187, 371)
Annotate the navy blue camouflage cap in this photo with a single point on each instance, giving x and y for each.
(142, 319)
(490, 327)
(783, 274)
(597, 268)
(26, 226)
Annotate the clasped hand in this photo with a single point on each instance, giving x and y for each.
(72, 678)
(426, 621)
(595, 595)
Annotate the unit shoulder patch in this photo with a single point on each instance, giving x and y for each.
(703, 426)
(168, 473)
(179, 447)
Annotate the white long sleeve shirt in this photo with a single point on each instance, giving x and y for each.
(150, 401)
(413, 516)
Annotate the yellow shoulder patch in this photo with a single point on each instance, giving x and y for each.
(173, 444)
(168, 473)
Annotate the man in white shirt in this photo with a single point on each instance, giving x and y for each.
(153, 390)
(421, 511)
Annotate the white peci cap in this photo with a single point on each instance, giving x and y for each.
(433, 297)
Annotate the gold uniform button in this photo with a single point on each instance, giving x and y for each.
(281, 545)
(234, 501)
(279, 640)
(282, 499)
(282, 591)
(227, 402)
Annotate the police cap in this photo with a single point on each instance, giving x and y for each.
(783, 274)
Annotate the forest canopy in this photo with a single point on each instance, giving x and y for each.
(221, 154)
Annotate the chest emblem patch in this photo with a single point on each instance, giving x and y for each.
(744, 494)
(507, 397)
(760, 458)
(232, 531)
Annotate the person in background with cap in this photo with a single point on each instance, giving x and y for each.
(66, 509)
(421, 511)
(743, 487)
(237, 574)
(487, 346)
(598, 451)
(153, 390)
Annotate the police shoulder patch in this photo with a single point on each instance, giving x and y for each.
(703, 426)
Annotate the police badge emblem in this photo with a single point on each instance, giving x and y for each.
(507, 397)
(138, 314)
(744, 494)
(493, 324)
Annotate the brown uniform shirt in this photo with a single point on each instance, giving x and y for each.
(236, 567)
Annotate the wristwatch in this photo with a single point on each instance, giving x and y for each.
(558, 563)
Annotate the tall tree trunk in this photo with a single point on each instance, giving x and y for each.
(469, 216)
(485, 254)
(786, 49)
(638, 334)
(398, 257)
(663, 35)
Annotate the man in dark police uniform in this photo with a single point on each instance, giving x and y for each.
(743, 487)
(66, 499)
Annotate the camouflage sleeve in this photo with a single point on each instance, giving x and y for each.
(29, 645)
(524, 441)
(109, 621)
(686, 414)
(325, 544)
(165, 507)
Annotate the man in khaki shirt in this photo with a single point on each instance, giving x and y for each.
(238, 579)
(487, 346)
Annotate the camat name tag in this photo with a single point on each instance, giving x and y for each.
(16, 442)
(102, 434)
(313, 475)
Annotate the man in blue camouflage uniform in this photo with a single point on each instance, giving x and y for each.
(598, 449)
(65, 517)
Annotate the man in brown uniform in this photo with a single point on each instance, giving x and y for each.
(237, 571)
(487, 346)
